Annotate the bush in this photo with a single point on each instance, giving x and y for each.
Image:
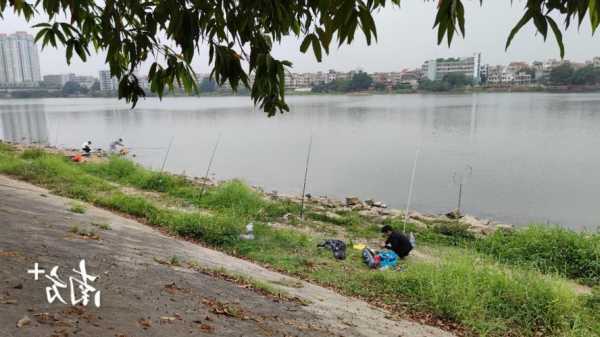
(549, 249)
(454, 229)
(219, 230)
(481, 295)
(235, 196)
(33, 153)
(133, 205)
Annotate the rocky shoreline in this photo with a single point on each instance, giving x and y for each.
(378, 212)
(374, 211)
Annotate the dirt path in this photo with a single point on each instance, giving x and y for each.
(142, 297)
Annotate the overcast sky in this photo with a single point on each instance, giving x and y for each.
(406, 39)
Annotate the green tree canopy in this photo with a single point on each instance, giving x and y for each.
(71, 88)
(562, 74)
(95, 86)
(360, 81)
(238, 35)
(588, 75)
(208, 85)
(457, 80)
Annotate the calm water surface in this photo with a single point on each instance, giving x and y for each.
(524, 157)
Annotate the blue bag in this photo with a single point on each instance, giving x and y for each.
(389, 259)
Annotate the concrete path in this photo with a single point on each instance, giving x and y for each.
(142, 297)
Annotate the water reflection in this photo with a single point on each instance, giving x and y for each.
(24, 123)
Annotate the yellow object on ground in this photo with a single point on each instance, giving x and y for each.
(359, 246)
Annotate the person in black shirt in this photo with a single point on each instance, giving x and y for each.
(396, 241)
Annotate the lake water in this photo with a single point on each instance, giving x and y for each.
(524, 157)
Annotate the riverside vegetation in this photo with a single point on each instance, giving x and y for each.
(509, 283)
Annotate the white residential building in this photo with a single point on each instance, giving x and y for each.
(522, 78)
(19, 60)
(438, 68)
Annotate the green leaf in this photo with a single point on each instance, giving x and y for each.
(557, 35)
(594, 9)
(528, 15)
(541, 24)
(306, 43)
(316, 44)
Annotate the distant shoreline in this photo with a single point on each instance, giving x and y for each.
(33, 94)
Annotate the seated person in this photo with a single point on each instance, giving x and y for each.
(396, 241)
(114, 146)
(87, 148)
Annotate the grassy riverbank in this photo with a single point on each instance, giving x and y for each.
(507, 284)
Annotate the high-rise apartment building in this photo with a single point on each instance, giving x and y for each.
(107, 82)
(19, 60)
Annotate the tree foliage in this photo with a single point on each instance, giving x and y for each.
(208, 85)
(451, 81)
(561, 74)
(238, 35)
(360, 81)
(71, 88)
(566, 74)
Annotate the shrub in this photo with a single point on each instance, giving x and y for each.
(549, 249)
(134, 205)
(479, 294)
(33, 153)
(454, 229)
(77, 208)
(236, 197)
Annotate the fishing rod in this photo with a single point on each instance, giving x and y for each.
(460, 182)
(162, 168)
(306, 176)
(210, 162)
(146, 148)
(410, 188)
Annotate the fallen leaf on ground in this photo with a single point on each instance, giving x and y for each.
(7, 253)
(23, 322)
(45, 318)
(145, 323)
(207, 328)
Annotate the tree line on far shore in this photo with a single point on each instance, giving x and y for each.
(563, 75)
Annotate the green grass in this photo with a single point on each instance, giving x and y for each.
(493, 287)
(77, 208)
(102, 225)
(548, 249)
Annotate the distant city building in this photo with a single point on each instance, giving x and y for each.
(19, 61)
(522, 78)
(596, 62)
(404, 77)
(438, 68)
(516, 66)
(483, 71)
(57, 80)
(107, 82)
(84, 81)
(509, 75)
